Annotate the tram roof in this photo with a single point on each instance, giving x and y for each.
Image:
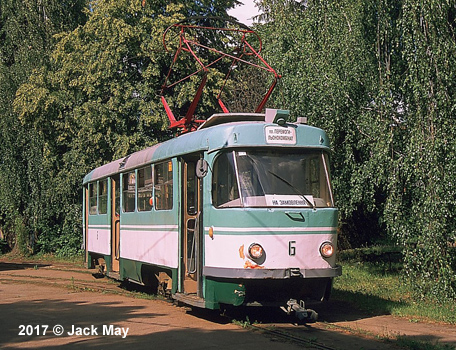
(218, 132)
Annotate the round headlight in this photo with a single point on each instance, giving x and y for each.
(256, 251)
(327, 250)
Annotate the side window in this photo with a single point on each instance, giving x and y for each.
(103, 196)
(315, 176)
(129, 182)
(145, 189)
(92, 199)
(117, 196)
(164, 186)
(225, 191)
(192, 189)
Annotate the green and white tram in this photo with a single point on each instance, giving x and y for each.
(239, 212)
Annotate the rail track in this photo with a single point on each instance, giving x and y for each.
(75, 279)
(308, 343)
(275, 325)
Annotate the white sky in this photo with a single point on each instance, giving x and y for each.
(245, 12)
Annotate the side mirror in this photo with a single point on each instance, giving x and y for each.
(201, 168)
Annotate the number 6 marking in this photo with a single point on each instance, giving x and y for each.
(291, 248)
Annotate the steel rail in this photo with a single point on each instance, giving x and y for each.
(294, 338)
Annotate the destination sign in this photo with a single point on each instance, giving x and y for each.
(274, 200)
(280, 135)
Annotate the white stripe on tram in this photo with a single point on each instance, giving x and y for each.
(150, 227)
(273, 229)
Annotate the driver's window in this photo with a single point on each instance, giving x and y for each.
(225, 191)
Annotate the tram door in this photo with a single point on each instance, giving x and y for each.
(115, 223)
(191, 238)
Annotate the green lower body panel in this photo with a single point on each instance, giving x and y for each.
(266, 292)
(108, 261)
(144, 273)
(91, 263)
(219, 291)
(130, 269)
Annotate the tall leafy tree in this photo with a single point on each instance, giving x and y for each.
(422, 200)
(98, 100)
(26, 39)
(326, 52)
(378, 76)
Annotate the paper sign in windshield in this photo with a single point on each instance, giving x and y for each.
(280, 135)
(275, 200)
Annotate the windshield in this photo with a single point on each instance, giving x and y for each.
(271, 178)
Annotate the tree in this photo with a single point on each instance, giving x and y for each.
(96, 101)
(421, 203)
(378, 76)
(325, 51)
(26, 35)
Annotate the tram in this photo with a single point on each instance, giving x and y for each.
(239, 211)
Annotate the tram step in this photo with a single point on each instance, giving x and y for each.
(113, 275)
(190, 299)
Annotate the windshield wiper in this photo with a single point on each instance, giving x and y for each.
(292, 187)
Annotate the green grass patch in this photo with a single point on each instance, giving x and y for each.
(75, 259)
(379, 290)
(411, 344)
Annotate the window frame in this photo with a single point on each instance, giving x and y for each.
(93, 186)
(320, 176)
(234, 182)
(146, 188)
(102, 203)
(165, 186)
(126, 191)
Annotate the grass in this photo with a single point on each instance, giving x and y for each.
(411, 344)
(77, 259)
(378, 289)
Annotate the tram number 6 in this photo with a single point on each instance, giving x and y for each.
(291, 248)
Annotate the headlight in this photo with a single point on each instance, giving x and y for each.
(256, 251)
(327, 250)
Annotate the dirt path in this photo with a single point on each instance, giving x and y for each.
(97, 313)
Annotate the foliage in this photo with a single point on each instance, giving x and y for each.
(379, 290)
(82, 95)
(379, 76)
(3, 246)
(26, 33)
(390, 256)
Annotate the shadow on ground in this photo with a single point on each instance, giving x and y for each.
(5, 266)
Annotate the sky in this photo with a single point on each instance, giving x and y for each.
(245, 12)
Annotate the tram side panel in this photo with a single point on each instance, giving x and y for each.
(149, 226)
(148, 242)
